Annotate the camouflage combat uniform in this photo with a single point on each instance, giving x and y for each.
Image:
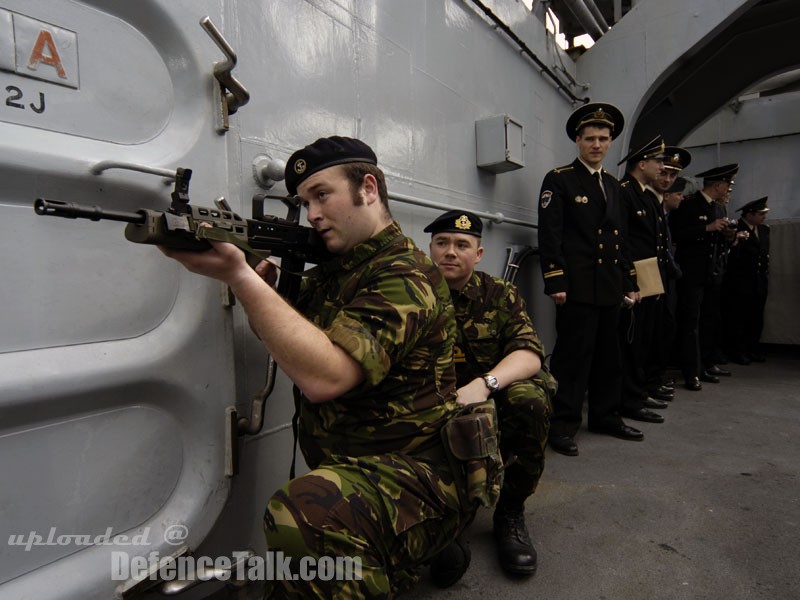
(379, 487)
(492, 322)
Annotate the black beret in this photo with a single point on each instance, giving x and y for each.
(652, 149)
(324, 153)
(676, 158)
(599, 114)
(723, 173)
(456, 221)
(756, 206)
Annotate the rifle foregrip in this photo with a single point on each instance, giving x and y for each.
(154, 231)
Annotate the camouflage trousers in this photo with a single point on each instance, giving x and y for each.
(524, 411)
(392, 512)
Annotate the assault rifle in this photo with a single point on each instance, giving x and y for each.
(179, 227)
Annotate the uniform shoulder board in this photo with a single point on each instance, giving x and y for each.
(624, 183)
(564, 168)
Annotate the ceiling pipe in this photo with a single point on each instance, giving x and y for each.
(585, 18)
(598, 16)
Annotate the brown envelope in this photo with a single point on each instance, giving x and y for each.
(648, 277)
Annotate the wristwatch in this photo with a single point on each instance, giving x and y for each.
(491, 383)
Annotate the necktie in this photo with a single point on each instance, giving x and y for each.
(600, 182)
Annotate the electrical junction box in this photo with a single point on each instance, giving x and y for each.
(500, 143)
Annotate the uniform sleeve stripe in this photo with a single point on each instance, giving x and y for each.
(553, 274)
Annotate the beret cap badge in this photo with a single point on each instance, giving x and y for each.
(300, 166)
(463, 222)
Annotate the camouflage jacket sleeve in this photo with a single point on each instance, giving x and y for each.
(492, 322)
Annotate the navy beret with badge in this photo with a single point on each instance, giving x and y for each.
(324, 153)
(597, 114)
(723, 173)
(456, 221)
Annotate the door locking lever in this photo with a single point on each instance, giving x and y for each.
(231, 93)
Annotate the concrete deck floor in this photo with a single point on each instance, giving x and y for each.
(708, 506)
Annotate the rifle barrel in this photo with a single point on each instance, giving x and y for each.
(70, 210)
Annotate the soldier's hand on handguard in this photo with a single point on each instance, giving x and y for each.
(559, 297)
(475, 391)
(223, 261)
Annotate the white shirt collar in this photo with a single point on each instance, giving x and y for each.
(591, 170)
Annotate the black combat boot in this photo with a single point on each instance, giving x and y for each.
(514, 548)
(450, 564)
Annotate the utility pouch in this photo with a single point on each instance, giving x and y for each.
(472, 442)
(547, 381)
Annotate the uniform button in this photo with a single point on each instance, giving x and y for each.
(615, 261)
(600, 246)
(599, 232)
(616, 246)
(599, 261)
(616, 232)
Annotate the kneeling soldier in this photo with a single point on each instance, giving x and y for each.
(498, 354)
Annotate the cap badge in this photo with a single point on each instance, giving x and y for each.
(463, 222)
(599, 114)
(300, 166)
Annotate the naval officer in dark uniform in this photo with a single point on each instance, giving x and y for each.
(669, 190)
(744, 288)
(587, 273)
(646, 242)
(702, 238)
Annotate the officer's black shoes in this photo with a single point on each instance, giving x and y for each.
(618, 430)
(563, 444)
(642, 414)
(739, 359)
(653, 403)
(514, 548)
(709, 377)
(718, 371)
(450, 564)
(662, 393)
(693, 384)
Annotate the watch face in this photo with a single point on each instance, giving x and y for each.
(491, 382)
